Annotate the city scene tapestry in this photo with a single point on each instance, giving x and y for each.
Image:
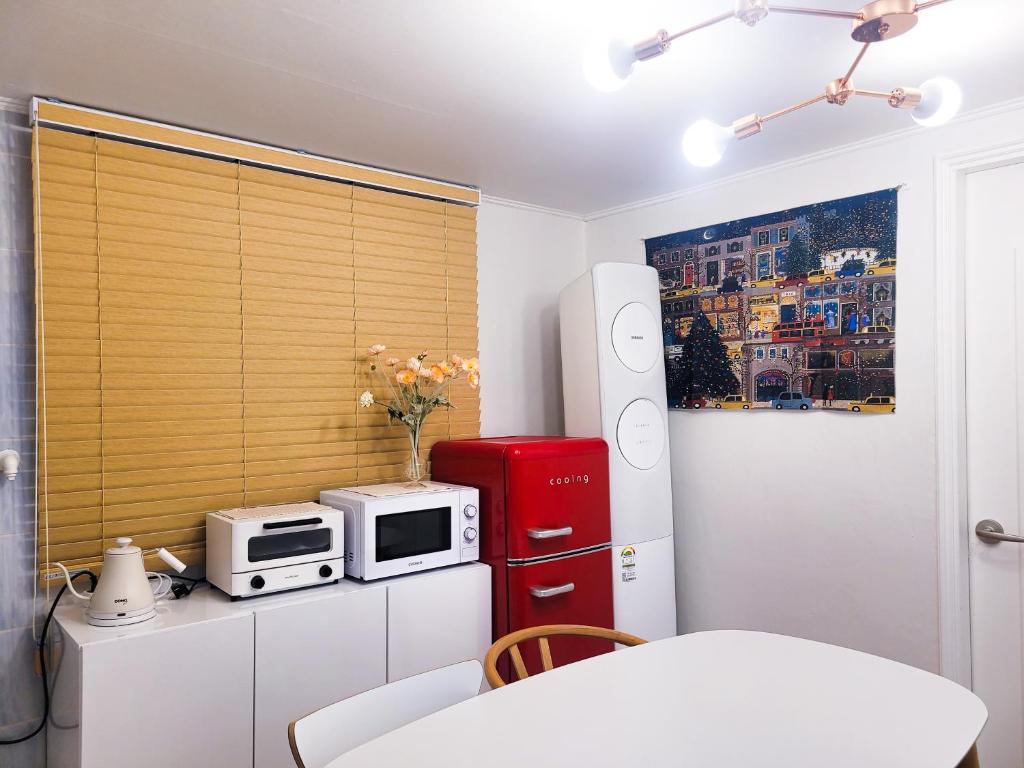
(793, 310)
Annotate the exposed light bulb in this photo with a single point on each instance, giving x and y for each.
(705, 142)
(608, 63)
(940, 101)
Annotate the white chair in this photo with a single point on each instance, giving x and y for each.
(320, 737)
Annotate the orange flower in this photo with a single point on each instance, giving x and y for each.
(437, 373)
(446, 367)
(406, 376)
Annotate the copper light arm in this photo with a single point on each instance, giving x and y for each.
(849, 73)
(874, 94)
(752, 11)
(793, 108)
(720, 17)
(817, 11)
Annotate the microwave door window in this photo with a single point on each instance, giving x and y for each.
(407, 534)
(292, 544)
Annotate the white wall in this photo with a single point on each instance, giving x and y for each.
(525, 257)
(821, 525)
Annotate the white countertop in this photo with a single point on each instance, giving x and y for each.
(726, 699)
(207, 603)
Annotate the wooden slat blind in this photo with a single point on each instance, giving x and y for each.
(202, 325)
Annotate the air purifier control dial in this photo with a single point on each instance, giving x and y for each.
(636, 337)
(640, 434)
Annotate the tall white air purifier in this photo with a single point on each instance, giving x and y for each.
(613, 386)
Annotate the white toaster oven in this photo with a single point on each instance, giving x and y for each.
(396, 529)
(269, 549)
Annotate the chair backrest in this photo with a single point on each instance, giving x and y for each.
(510, 643)
(320, 737)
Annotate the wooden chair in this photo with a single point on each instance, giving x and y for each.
(970, 759)
(510, 643)
(320, 737)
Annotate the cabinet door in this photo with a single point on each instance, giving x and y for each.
(312, 654)
(181, 697)
(438, 618)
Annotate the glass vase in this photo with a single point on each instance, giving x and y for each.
(414, 469)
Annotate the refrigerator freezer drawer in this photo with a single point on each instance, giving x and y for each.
(575, 589)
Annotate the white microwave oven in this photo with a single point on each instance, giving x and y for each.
(398, 528)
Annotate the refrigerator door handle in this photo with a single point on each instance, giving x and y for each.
(561, 589)
(548, 533)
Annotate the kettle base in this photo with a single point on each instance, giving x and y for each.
(120, 621)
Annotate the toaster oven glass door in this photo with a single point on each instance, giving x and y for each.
(277, 546)
(417, 532)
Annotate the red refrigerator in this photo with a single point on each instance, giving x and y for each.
(545, 531)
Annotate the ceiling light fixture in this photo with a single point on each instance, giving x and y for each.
(608, 65)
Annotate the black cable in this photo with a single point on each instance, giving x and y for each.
(182, 590)
(42, 658)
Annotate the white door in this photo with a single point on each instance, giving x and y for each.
(438, 618)
(311, 654)
(994, 299)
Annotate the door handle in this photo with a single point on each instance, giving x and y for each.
(561, 589)
(992, 530)
(548, 533)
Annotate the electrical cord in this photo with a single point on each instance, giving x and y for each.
(177, 590)
(41, 648)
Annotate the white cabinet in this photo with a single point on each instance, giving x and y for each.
(211, 682)
(312, 654)
(438, 618)
(162, 699)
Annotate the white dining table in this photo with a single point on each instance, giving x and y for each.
(723, 699)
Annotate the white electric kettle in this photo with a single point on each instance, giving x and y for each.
(123, 594)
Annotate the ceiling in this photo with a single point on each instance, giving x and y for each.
(491, 92)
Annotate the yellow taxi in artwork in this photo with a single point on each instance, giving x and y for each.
(874, 404)
(733, 402)
(875, 329)
(819, 276)
(768, 281)
(884, 267)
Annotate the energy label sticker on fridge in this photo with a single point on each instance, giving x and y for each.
(628, 557)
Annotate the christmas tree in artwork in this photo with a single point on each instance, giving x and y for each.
(703, 368)
(799, 259)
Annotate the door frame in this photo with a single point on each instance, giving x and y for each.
(951, 171)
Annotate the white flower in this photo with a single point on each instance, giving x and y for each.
(413, 364)
(376, 349)
(425, 372)
(366, 399)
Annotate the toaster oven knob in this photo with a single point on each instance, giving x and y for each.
(469, 534)
(326, 571)
(257, 582)
(469, 511)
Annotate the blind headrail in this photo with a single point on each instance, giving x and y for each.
(55, 114)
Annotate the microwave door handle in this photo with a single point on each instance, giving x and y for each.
(292, 523)
(548, 533)
(561, 589)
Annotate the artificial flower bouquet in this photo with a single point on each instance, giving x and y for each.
(416, 389)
